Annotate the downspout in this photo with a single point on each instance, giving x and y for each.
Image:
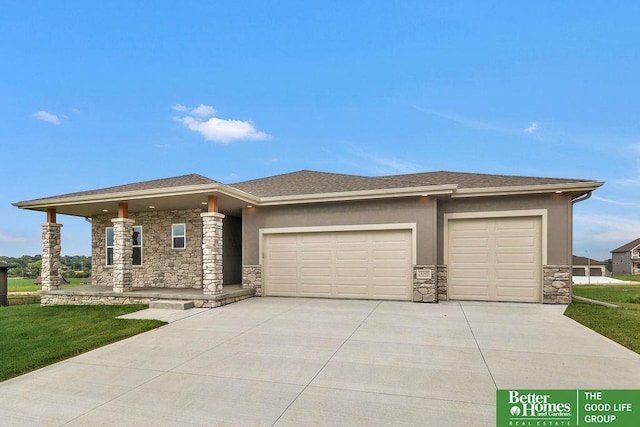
(578, 199)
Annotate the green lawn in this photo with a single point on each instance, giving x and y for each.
(26, 285)
(635, 278)
(32, 336)
(620, 324)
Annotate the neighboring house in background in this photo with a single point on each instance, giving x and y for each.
(419, 237)
(626, 259)
(583, 266)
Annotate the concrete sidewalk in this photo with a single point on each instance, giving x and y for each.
(293, 362)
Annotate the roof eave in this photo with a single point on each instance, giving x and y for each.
(529, 189)
(40, 204)
(358, 195)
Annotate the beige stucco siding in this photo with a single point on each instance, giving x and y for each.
(418, 210)
(559, 223)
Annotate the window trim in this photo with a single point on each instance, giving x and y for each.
(141, 245)
(107, 247)
(184, 236)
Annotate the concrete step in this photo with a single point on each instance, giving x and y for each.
(169, 304)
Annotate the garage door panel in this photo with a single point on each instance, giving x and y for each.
(284, 255)
(360, 273)
(386, 273)
(522, 259)
(516, 294)
(469, 242)
(351, 255)
(470, 258)
(516, 242)
(509, 250)
(514, 274)
(389, 255)
(472, 292)
(350, 264)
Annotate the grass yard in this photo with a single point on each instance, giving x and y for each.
(635, 278)
(26, 285)
(622, 324)
(32, 336)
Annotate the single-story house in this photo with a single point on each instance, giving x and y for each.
(583, 266)
(418, 237)
(626, 259)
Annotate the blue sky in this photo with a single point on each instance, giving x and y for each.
(95, 94)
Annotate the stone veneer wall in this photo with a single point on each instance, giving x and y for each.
(162, 266)
(51, 247)
(55, 299)
(212, 272)
(556, 285)
(424, 283)
(442, 283)
(122, 249)
(252, 278)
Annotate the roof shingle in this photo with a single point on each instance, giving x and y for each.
(176, 181)
(627, 247)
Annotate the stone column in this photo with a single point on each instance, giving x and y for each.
(424, 283)
(122, 254)
(252, 278)
(212, 253)
(50, 273)
(556, 285)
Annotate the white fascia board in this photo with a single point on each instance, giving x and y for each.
(138, 195)
(527, 189)
(358, 195)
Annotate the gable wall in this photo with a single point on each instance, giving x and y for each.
(419, 210)
(162, 266)
(559, 219)
(621, 263)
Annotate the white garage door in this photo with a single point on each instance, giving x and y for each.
(339, 264)
(495, 259)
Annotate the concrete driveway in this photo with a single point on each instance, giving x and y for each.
(299, 362)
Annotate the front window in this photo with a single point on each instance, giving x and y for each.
(178, 235)
(109, 245)
(137, 245)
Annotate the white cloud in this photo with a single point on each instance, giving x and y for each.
(532, 128)
(215, 129)
(203, 111)
(46, 117)
(179, 107)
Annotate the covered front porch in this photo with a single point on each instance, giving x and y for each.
(172, 239)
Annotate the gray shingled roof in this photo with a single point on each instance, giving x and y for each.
(310, 182)
(477, 180)
(581, 260)
(176, 181)
(628, 246)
